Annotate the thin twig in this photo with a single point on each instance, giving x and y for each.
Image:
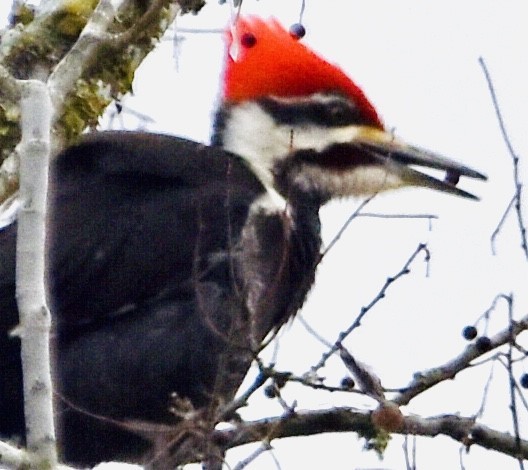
(517, 388)
(501, 222)
(364, 310)
(410, 463)
(398, 216)
(312, 331)
(311, 381)
(480, 411)
(345, 225)
(520, 395)
(301, 13)
(487, 313)
(461, 451)
(264, 447)
(517, 197)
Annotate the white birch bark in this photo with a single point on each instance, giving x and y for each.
(35, 319)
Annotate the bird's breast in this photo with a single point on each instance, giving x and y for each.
(275, 262)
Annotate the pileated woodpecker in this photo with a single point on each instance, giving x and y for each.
(170, 261)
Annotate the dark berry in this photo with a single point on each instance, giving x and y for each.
(297, 30)
(270, 391)
(348, 383)
(452, 177)
(524, 381)
(469, 333)
(483, 344)
(248, 40)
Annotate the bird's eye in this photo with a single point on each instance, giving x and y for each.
(340, 113)
(337, 112)
(248, 40)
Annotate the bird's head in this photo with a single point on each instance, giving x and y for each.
(305, 127)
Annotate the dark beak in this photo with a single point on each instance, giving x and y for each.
(403, 160)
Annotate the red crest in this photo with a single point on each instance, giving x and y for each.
(263, 59)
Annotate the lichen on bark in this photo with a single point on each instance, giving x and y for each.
(34, 46)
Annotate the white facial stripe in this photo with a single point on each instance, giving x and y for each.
(318, 138)
(251, 133)
(359, 181)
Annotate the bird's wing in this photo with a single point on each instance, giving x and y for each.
(7, 267)
(134, 216)
(11, 396)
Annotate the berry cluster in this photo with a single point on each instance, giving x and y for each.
(483, 344)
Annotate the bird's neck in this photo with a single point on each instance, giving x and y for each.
(281, 250)
(246, 130)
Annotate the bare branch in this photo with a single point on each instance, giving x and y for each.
(35, 319)
(13, 457)
(307, 423)
(95, 38)
(466, 431)
(80, 56)
(427, 379)
(85, 69)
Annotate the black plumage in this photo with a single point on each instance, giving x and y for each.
(155, 244)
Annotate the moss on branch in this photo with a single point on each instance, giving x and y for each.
(36, 44)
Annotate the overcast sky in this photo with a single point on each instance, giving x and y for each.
(418, 63)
